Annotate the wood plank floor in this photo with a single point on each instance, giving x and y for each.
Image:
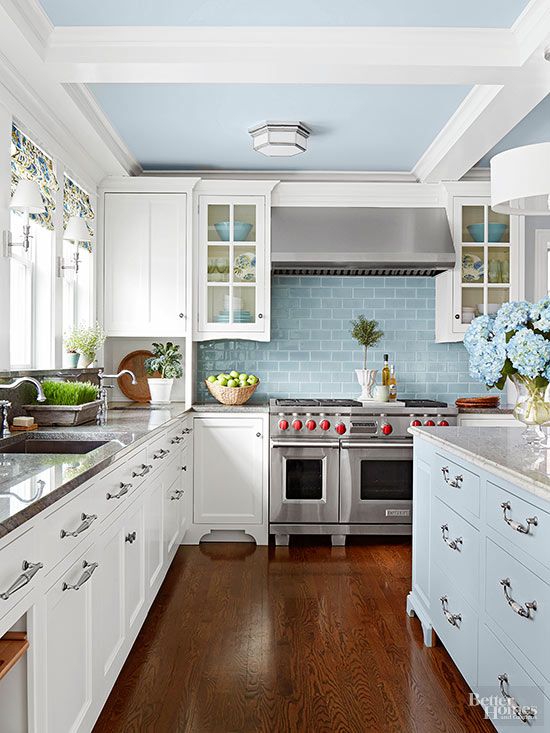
(282, 640)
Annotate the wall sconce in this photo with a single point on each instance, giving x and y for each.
(76, 232)
(28, 200)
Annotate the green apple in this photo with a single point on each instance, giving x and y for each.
(221, 376)
(222, 382)
(212, 378)
(252, 379)
(243, 377)
(232, 383)
(234, 374)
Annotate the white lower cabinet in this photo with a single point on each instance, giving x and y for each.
(154, 535)
(230, 475)
(68, 639)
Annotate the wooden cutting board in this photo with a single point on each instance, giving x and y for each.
(135, 362)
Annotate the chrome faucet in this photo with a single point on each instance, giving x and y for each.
(5, 404)
(102, 392)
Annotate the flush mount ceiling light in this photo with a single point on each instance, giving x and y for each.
(280, 139)
(520, 181)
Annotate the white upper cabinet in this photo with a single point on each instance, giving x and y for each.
(489, 266)
(233, 260)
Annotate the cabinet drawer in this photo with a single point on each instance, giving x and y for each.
(525, 626)
(159, 452)
(179, 435)
(21, 569)
(457, 486)
(455, 547)
(66, 528)
(495, 662)
(115, 488)
(455, 622)
(520, 522)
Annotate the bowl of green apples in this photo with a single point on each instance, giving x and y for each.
(232, 388)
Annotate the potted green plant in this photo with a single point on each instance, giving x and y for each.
(366, 333)
(163, 367)
(86, 342)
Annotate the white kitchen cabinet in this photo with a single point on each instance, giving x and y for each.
(230, 474)
(145, 251)
(154, 533)
(489, 265)
(67, 628)
(135, 596)
(233, 261)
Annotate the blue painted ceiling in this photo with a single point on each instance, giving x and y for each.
(429, 13)
(535, 128)
(204, 126)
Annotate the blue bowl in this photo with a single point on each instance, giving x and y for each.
(496, 231)
(241, 230)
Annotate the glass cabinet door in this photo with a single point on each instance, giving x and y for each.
(233, 276)
(483, 271)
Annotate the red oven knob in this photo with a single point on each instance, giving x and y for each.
(324, 425)
(443, 423)
(416, 423)
(340, 428)
(429, 423)
(386, 429)
(283, 424)
(311, 424)
(297, 424)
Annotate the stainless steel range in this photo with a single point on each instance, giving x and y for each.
(341, 468)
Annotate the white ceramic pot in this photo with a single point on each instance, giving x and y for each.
(85, 361)
(367, 379)
(160, 390)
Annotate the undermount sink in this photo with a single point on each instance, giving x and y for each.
(45, 445)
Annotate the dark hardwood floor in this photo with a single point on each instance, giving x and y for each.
(281, 640)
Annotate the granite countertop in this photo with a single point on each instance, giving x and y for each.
(500, 451)
(217, 407)
(503, 410)
(29, 483)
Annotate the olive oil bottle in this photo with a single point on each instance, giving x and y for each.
(392, 383)
(386, 372)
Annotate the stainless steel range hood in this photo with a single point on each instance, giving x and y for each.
(360, 241)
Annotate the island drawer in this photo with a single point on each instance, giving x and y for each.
(22, 567)
(115, 487)
(159, 451)
(455, 548)
(519, 602)
(179, 435)
(65, 528)
(522, 523)
(501, 676)
(455, 623)
(457, 486)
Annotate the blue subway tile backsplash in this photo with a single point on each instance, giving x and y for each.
(312, 354)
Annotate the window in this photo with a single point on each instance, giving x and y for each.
(542, 263)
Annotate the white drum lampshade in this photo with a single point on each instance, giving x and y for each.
(27, 198)
(520, 181)
(76, 230)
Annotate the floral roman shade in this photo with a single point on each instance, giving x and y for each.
(29, 162)
(76, 202)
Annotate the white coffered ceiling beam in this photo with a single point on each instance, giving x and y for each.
(282, 55)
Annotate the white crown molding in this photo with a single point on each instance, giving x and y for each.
(280, 175)
(532, 28)
(281, 55)
(342, 194)
(32, 20)
(89, 107)
(477, 173)
(148, 184)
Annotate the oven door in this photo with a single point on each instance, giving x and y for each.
(304, 482)
(376, 483)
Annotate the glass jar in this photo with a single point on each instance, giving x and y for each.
(532, 408)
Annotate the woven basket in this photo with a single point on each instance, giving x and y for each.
(231, 395)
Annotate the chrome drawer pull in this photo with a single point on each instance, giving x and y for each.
(514, 605)
(29, 571)
(89, 570)
(87, 521)
(507, 507)
(184, 468)
(176, 496)
(186, 431)
(455, 544)
(161, 454)
(145, 470)
(454, 483)
(177, 439)
(453, 618)
(130, 537)
(523, 712)
(124, 488)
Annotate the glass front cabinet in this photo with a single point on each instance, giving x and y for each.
(488, 269)
(233, 254)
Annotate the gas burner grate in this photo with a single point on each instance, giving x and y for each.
(424, 403)
(317, 403)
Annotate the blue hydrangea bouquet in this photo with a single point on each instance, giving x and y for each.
(515, 344)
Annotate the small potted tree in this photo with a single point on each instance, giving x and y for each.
(163, 367)
(366, 333)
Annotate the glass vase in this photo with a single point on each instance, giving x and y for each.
(532, 408)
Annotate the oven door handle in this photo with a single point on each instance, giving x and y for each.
(347, 444)
(304, 444)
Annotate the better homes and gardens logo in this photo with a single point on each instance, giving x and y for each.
(504, 707)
